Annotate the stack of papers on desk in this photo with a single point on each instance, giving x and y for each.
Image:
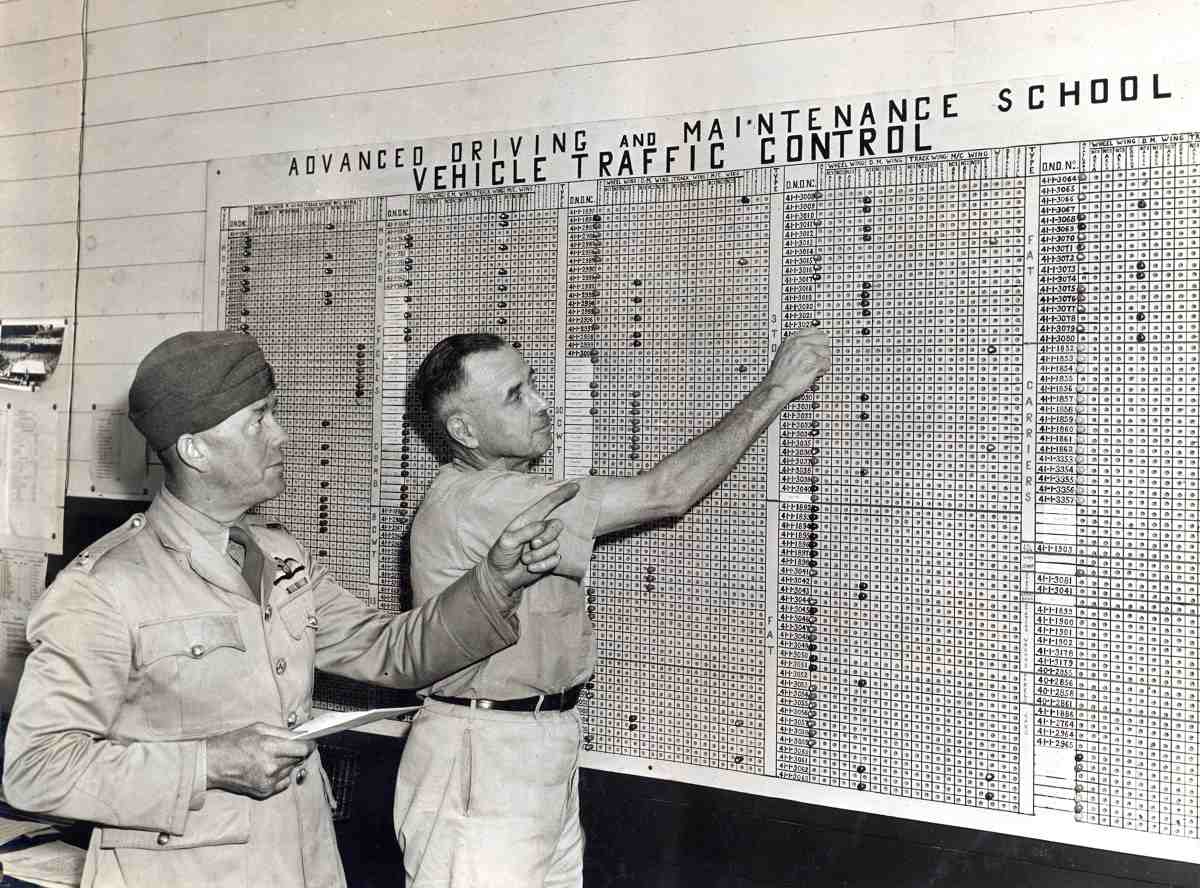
(52, 864)
(19, 829)
(30, 851)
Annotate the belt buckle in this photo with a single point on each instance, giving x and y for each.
(481, 704)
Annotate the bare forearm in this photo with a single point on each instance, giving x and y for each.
(683, 478)
(686, 476)
(693, 470)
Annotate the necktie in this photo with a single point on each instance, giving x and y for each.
(251, 561)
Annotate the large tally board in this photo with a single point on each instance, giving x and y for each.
(959, 581)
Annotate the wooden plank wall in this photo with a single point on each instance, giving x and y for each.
(41, 85)
(41, 54)
(175, 83)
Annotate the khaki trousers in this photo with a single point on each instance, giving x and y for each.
(488, 799)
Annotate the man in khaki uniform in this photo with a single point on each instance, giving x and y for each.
(172, 658)
(487, 791)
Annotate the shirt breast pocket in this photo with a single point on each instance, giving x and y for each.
(299, 617)
(553, 599)
(191, 669)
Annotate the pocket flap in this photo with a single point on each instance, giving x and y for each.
(194, 636)
(224, 820)
(299, 613)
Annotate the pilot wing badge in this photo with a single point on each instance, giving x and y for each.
(289, 570)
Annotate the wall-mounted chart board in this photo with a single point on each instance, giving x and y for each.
(959, 581)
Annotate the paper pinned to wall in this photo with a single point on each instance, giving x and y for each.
(37, 376)
(118, 464)
(22, 582)
(32, 439)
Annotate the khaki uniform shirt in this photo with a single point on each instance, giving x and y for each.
(464, 510)
(151, 641)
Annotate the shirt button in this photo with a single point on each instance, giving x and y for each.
(301, 774)
(280, 666)
(267, 612)
(162, 838)
(197, 651)
(291, 720)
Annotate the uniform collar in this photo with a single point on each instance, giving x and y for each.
(183, 525)
(202, 539)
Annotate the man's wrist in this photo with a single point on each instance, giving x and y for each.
(493, 587)
(774, 392)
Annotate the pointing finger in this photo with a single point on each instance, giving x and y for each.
(545, 531)
(547, 504)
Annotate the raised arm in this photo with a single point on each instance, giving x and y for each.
(684, 477)
(59, 756)
(473, 618)
(257, 760)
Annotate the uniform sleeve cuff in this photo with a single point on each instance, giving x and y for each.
(200, 777)
(482, 612)
(187, 754)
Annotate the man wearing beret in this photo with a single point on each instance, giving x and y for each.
(172, 659)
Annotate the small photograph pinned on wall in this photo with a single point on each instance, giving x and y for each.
(29, 352)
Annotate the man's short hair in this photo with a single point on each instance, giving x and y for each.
(441, 373)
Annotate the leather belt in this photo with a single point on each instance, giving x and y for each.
(549, 702)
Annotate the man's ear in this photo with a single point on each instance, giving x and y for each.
(458, 427)
(192, 452)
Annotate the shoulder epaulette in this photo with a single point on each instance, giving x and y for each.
(87, 559)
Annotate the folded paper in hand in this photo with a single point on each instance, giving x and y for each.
(333, 722)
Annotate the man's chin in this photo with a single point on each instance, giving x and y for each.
(276, 482)
(540, 454)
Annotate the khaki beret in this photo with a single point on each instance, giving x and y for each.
(193, 381)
